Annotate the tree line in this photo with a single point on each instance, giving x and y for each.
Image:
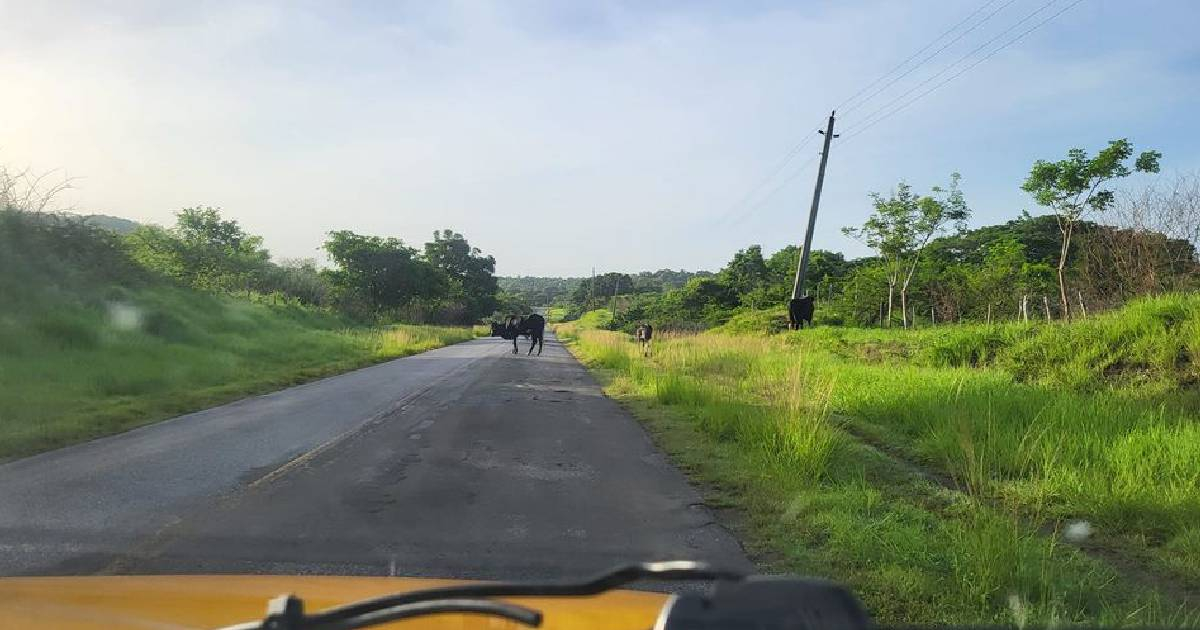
(371, 278)
(1095, 249)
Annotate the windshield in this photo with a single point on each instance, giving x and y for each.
(905, 296)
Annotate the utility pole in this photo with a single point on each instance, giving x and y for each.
(802, 269)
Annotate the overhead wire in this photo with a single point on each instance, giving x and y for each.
(863, 127)
(874, 117)
(798, 147)
(771, 195)
(868, 119)
(988, 17)
(779, 167)
(913, 56)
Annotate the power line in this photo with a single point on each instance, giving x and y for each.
(867, 125)
(783, 184)
(914, 55)
(868, 119)
(930, 57)
(795, 150)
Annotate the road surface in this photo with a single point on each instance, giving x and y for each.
(466, 461)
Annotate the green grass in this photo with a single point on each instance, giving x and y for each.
(774, 423)
(598, 318)
(92, 344)
(72, 370)
(1153, 342)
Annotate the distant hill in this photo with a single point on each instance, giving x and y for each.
(111, 223)
(116, 225)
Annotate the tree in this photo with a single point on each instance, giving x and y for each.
(747, 271)
(1072, 187)
(202, 250)
(380, 274)
(219, 252)
(862, 295)
(901, 227)
(1004, 275)
(508, 303)
(709, 297)
(601, 288)
(471, 274)
(297, 279)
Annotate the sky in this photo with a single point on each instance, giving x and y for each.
(562, 136)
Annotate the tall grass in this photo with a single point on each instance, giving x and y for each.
(1151, 342)
(91, 343)
(1022, 451)
(81, 371)
(71, 370)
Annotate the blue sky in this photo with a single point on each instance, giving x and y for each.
(559, 136)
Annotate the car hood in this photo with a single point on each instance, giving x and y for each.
(209, 601)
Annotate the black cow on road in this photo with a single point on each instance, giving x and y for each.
(532, 326)
(800, 311)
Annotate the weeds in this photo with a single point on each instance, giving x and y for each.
(764, 414)
(71, 371)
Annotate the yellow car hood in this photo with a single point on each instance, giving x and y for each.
(209, 601)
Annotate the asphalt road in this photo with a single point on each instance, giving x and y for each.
(466, 461)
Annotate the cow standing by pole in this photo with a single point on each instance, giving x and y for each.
(800, 308)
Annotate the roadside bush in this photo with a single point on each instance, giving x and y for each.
(600, 318)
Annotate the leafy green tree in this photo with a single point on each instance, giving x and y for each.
(380, 274)
(540, 291)
(471, 274)
(1037, 234)
(300, 280)
(202, 250)
(901, 227)
(824, 267)
(710, 297)
(589, 292)
(863, 293)
(747, 271)
(158, 250)
(509, 303)
(1073, 186)
(998, 279)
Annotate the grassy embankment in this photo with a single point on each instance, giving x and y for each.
(91, 345)
(995, 439)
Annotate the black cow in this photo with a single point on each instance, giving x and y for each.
(644, 333)
(532, 327)
(800, 311)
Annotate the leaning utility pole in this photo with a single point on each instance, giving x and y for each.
(802, 269)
